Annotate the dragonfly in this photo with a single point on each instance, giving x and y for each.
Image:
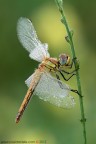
(45, 82)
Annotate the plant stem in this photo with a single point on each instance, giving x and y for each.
(64, 21)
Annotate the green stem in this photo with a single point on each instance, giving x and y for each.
(64, 21)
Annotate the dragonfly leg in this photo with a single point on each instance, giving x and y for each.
(76, 91)
(66, 79)
(70, 66)
(69, 72)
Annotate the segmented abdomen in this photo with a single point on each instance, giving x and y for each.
(36, 77)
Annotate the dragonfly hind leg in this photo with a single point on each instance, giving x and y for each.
(76, 91)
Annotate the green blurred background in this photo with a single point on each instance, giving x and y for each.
(41, 120)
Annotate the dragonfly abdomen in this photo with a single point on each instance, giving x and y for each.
(37, 74)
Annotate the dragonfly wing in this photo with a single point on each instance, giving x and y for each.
(48, 89)
(28, 38)
(26, 34)
(39, 53)
(28, 81)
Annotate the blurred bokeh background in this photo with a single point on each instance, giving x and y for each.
(41, 120)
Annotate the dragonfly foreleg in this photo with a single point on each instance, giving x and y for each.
(69, 66)
(66, 79)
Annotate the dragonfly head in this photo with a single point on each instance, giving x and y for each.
(64, 59)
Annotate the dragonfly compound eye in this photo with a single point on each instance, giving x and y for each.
(63, 59)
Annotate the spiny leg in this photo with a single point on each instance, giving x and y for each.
(66, 79)
(55, 69)
(69, 66)
(68, 72)
(76, 91)
(59, 82)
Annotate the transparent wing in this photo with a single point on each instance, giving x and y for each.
(28, 38)
(39, 53)
(48, 89)
(28, 81)
(27, 34)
